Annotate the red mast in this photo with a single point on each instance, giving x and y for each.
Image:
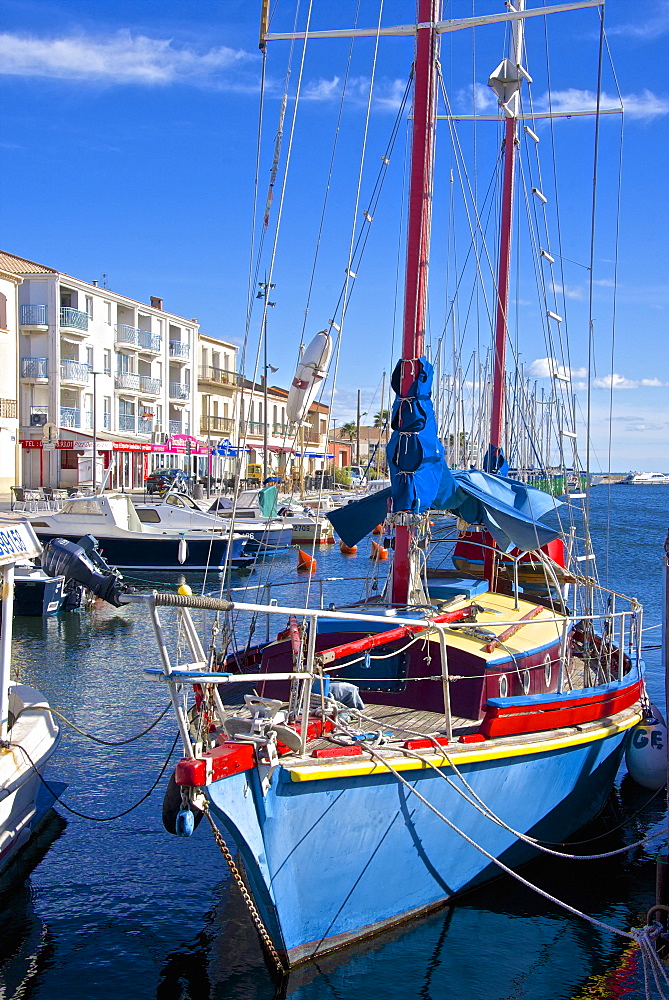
(418, 237)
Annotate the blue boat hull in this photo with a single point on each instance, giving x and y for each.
(332, 860)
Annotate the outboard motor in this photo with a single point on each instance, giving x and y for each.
(83, 563)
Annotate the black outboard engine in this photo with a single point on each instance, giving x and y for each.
(83, 563)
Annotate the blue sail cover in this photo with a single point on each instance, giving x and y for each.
(415, 453)
(509, 509)
(421, 480)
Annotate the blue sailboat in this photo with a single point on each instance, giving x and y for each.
(369, 764)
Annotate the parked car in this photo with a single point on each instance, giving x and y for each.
(161, 480)
(356, 475)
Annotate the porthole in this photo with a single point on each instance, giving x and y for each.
(548, 670)
(526, 679)
(503, 686)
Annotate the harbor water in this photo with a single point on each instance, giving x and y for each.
(102, 908)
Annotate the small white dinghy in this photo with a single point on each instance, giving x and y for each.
(28, 734)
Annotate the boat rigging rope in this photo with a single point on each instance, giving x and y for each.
(643, 936)
(96, 739)
(7, 744)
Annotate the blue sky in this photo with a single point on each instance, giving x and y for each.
(128, 138)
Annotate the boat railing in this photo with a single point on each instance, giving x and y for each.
(616, 645)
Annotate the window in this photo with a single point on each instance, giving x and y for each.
(122, 363)
(205, 355)
(3, 312)
(108, 308)
(159, 416)
(68, 459)
(226, 362)
(107, 363)
(276, 413)
(89, 357)
(89, 306)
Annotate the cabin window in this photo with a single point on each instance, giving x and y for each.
(526, 679)
(85, 507)
(548, 670)
(148, 516)
(503, 686)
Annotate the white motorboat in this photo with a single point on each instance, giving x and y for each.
(179, 512)
(28, 733)
(306, 525)
(128, 543)
(646, 479)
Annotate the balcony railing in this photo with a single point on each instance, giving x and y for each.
(179, 391)
(144, 426)
(39, 408)
(34, 368)
(175, 427)
(74, 371)
(126, 422)
(106, 421)
(220, 425)
(88, 419)
(253, 427)
(70, 416)
(124, 334)
(126, 380)
(8, 409)
(284, 430)
(33, 315)
(220, 376)
(150, 341)
(73, 319)
(150, 385)
(179, 350)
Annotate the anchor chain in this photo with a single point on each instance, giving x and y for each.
(234, 871)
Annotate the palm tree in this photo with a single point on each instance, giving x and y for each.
(380, 418)
(349, 430)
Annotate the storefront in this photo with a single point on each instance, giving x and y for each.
(66, 462)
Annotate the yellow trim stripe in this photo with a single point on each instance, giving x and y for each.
(320, 773)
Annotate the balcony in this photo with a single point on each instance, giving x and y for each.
(283, 430)
(179, 391)
(150, 343)
(175, 427)
(253, 427)
(145, 426)
(70, 416)
(73, 319)
(74, 371)
(8, 409)
(41, 410)
(126, 335)
(218, 425)
(151, 386)
(106, 421)
(33, 315)
(88, 419)
(179, 350)
(126, 422)
(220, 376)
(34, 368)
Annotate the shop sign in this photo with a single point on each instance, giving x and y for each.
(132, 446)
(31, 444)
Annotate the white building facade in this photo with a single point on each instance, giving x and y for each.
(9, 338)
(96, 364)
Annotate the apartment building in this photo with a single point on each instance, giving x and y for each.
(97, 364)
(9, 337)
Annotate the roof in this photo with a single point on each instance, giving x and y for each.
(20, 265)
(216, 341)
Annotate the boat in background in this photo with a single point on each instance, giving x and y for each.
(265, 504)
(178, 512)
(128, 543)
(28, 734)
(646, 479)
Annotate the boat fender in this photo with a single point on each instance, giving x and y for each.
(173, 807)
(646, 754)
(185, 823)
(183, 551)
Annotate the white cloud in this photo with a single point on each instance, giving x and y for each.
(548, 367)
(616, 381)
(387, 93)
(123, 58)
(654, 27)
(569, 291)
(645, 105)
